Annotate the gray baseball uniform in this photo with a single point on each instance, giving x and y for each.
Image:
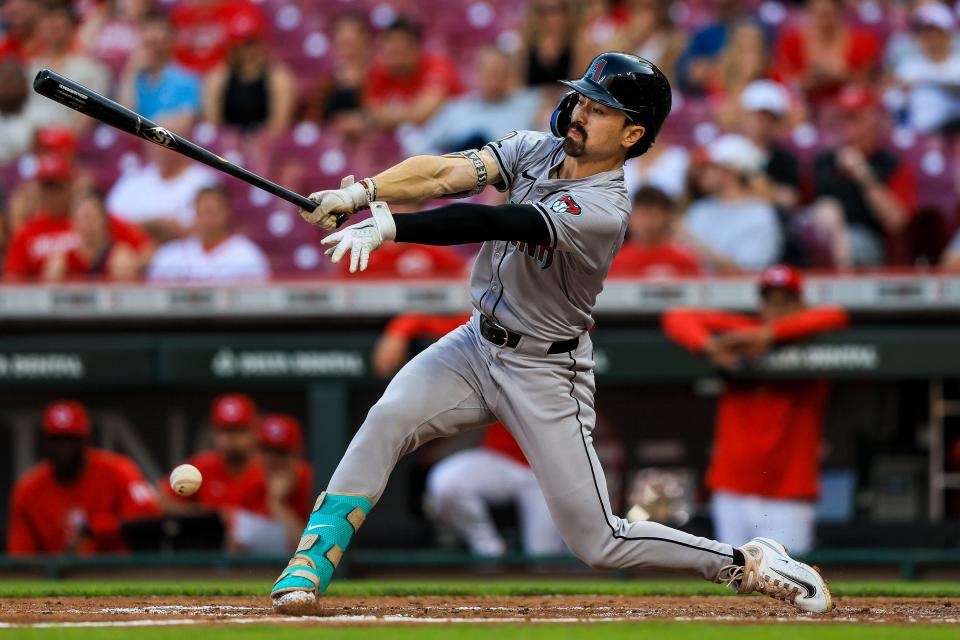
(543, 397)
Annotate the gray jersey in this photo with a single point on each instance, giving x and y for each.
(549, 291)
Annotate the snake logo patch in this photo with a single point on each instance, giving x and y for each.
(566, 204)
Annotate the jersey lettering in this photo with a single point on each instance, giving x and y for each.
(541, 253)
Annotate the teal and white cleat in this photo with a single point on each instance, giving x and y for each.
(334, 520)
(770, 571)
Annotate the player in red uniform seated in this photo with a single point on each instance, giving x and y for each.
(278, 496)
(229, 466)
(650, 248)
(764, 472)
(75, 501)
(462, 487)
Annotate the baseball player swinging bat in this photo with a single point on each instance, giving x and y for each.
(52, 85)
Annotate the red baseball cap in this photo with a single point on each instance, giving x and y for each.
(53, 167)
(66, 418)
(246, 23)
(233, 411)
(280, 431)
(855, 98)
(781, 276)
(57, 140)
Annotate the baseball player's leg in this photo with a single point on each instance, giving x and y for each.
(540, 535)
(547, 403)
(460, 489)
(432, 396)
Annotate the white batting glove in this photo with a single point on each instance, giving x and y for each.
(363, 238)
(349, 198)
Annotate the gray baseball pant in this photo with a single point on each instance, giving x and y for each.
(465, 382)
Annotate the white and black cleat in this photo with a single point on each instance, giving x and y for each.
(771, 571)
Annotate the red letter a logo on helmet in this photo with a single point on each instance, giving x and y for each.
(598, 70)
(566, 204)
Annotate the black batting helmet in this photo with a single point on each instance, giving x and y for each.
(625, 82)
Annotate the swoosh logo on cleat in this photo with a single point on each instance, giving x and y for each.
(317, 526)
(811, 590)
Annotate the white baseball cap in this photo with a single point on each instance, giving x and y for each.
(736, 152)
(766, 95)
(934, 15)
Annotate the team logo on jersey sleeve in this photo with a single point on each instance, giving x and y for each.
(566, 204)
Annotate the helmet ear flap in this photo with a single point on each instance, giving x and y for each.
(562, 115)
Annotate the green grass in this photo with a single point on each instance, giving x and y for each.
(371, 588)
(599, 631)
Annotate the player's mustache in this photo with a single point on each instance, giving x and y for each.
(580, 130)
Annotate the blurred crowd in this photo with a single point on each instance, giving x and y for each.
(256, 494)
(818, 133)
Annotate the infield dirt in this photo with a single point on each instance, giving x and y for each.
(123, 611)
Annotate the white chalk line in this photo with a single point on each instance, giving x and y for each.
(402, 619)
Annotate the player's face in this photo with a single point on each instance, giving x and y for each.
(276, 460)
(599, 131)
(66, 455)
(235, 445)
(777, 303)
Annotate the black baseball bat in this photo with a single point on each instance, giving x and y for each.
(79, 98)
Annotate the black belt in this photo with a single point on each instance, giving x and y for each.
(503, 337)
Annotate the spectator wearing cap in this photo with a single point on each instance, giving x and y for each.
(650, 248)
(930, 74)
(152, 82)
(160, 196)
(764, 469)
(825, 52)
(252, 92)
(75, 501)
(202, 30)
(735, 226)
(105, 247)
(279, 497)
(214, 252)
(494, 108)
(335, 100)
(48, 230)
(864, 194)
(20, 38)
(56, 30)
(226, 468)
(765, 108)
(406, 84)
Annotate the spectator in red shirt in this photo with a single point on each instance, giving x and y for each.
(203, 30)
(412, 261)
(822, 54)
(20, 38)
(104, 247)
(279, 496)
(407, 84)
(650, 248)
(462, 487)
(864, 194)
(229, 467)
(51, 232)
(75, 501)
(764, 472)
